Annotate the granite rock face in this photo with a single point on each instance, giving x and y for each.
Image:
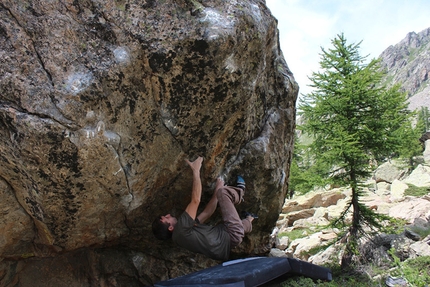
(101, 102)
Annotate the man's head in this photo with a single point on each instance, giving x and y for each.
(163, 226)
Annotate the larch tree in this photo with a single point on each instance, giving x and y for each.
(354, 120)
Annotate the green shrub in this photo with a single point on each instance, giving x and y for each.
(395, 226)
(414, 190)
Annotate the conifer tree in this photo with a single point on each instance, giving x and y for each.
(353, 120)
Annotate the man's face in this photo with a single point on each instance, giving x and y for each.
(169, 220)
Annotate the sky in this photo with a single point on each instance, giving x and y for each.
(307, 25)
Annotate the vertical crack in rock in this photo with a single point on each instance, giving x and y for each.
(32, 43)
(42, 64)
(67, 121)
(114, 143)
(169, 122)
(288, 76)
(126, 223)
(13, 16)
(124, 169)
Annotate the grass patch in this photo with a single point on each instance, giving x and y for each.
(297, 233)
(415, 271)
(340, 279)
(414, 190)
(319, 248)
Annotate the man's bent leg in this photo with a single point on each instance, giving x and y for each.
(236, 228)
(212, 204)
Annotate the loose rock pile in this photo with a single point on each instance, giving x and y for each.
(311, 212)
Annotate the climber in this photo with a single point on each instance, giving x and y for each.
(189, 230)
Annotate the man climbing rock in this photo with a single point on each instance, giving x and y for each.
(189, 230)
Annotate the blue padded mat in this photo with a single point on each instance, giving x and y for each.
(248, 272)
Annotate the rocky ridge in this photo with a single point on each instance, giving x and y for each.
(408, 64)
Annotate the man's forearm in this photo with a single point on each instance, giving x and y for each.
(196, 193)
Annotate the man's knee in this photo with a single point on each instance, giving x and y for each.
(222, 193)
(226, 192)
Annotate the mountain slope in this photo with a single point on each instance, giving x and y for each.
(408, 63)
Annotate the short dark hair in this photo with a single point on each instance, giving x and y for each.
(160, 229)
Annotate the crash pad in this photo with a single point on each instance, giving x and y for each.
(249, 272)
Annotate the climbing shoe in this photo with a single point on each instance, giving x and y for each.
(240, 182)
(245, 214)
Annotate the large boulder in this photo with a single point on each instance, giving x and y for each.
(389, 171)
(397, 189)
(101, 102)
(302, 246)
(313, 199)
(420, 176)
(411, 209)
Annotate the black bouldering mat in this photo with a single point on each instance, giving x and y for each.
(249, 272)
(310, 270)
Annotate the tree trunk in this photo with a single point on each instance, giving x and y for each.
(353, 229)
